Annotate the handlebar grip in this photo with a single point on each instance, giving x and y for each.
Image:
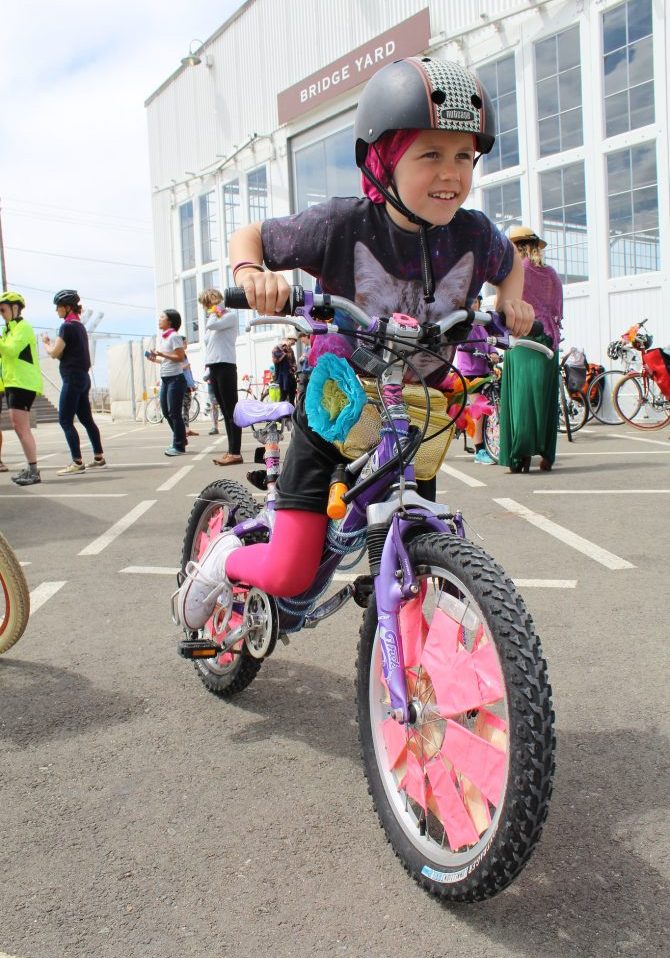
(234, 297)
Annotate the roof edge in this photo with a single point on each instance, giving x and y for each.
(217, 33)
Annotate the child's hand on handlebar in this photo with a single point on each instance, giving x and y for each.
(266, 292)
(519, 316)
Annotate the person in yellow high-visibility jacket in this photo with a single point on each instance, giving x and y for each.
(22, 378)
(3, 467)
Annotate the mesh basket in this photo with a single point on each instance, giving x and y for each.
(366, 433)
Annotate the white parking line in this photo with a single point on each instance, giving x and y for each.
(174, 479)
(623, 435)
(149, 570)
(129, 432)
(41, 594)
(462, 476)
(207, 450)
(600, 492)
(589, 549)
(63, 495)
(117, 529)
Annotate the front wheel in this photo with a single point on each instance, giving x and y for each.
(194, 410)
(220, 505)
(640, 402)
(14, 597)
(152, 412)
(462, 792)
(600, 397)
(491, 426)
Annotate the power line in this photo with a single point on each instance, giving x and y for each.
(107, 302)
(84, 259)
(69, 209)
(75, 222)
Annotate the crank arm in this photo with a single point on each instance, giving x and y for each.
(330, 607)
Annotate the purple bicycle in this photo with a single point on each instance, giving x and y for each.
(453, 698)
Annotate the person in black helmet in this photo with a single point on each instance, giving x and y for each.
(71, 348)
(407, 247)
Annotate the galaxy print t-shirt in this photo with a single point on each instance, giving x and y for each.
(355, 250)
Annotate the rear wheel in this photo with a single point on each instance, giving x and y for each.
(462, 792)
(491, 425)
(194, 410)
(640, 402)
(220, 505)
(14, 597)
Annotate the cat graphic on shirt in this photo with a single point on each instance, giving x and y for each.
(381, 294)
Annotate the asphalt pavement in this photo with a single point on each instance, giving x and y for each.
(142, 817)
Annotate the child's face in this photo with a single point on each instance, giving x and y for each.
(433, 177)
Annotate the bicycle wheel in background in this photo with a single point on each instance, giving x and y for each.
(640, 402)
(194, 411)
(491, 426)
(14, 597)
(572, 412)
(463, 790)
(152, 412)
(602, 387)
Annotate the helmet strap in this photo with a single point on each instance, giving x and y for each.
(426, 263)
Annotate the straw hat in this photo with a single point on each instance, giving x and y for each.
(523, 234)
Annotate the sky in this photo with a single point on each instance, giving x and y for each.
(75, 191)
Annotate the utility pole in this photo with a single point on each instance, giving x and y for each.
(3, 272)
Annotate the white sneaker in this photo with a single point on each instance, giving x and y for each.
(206, 583)
(72, 470)
(96, 463)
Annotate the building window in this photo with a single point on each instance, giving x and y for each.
(502, 204)
(209, 234)
(500, 83)
(210, 279)
(190, 317)
(187, 235)
(257, 188)
(559, 92)
(564, 222)
(231, 208)
(633, 210)
(326, 168)
(628, 67)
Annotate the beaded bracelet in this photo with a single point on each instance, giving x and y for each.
(257, 266)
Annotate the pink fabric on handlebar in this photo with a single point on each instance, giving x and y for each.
(286, 565)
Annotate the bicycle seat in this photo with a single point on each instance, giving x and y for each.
(248, 412)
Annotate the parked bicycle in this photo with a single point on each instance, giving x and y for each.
(14, 597)
(453, 699)
(572, 403)
(154, 414)
(601, 391)
(256, 390)
(642, 397)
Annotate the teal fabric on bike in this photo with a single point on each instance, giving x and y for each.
(325, 415)
(528, 405)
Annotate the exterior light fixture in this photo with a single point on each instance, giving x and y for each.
(192, 60)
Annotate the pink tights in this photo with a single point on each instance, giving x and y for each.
(286, 565)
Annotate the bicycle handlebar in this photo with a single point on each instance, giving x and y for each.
(303, 303)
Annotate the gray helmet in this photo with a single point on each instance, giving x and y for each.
(421, 93)
(67, 297)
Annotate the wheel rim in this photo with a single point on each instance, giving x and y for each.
(628, 397)
(448, 816)
(604, 410)
(213, 519)
(654, 410)
(5, 605)
(492, 434)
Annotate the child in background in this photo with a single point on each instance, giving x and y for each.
(472, 367)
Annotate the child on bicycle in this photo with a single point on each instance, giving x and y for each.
(407, 247)
(473, 360)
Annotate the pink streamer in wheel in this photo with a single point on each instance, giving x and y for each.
(453, 813)
(395, 739)
(413, 629)
(414, 782)
(482, 763)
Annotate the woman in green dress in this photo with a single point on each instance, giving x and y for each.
(529, 392)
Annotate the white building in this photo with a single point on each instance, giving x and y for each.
(262, 126)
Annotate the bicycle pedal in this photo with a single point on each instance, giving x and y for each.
(197, 649)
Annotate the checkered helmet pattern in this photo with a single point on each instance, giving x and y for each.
(424, 93)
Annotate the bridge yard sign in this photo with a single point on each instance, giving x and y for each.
(407, 39)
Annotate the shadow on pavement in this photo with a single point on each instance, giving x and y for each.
(42, 703)
(589, 890)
